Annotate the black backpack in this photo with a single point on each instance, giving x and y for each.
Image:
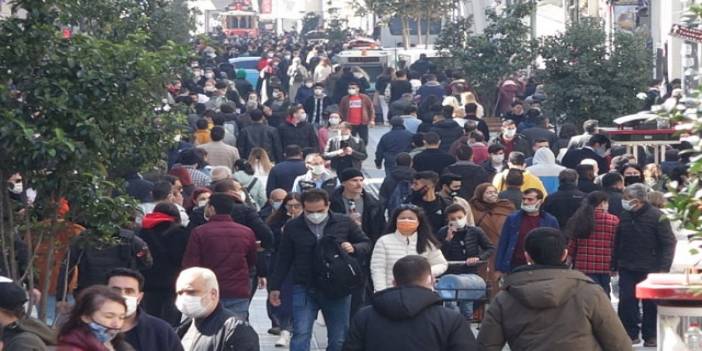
(337, 272)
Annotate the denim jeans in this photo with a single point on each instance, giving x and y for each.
(306, 304)
(240, 307)
(603, 280)
(462, 288)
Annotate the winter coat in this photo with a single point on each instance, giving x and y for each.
(27, 335)
(393, 246)
(244, 215)
(399, 174)
(327, 181)
(449, 131)
(471, 175)
(82, 339)
(167, 242)
(563, 203)
(408, 318)
(301, 134)
(298, 243)
(260, 135)
(228, 249)
(397, 140)
(545, 167)
(545, 308)
(333, 150)
(151, 333)
(372, 218)
(283, 175)
(257, 191)
(510, 236)
(537, 133)
(615, 201)
(429, 89)
(322, 104)
(644, 241)
(530, 181)
(432, 160)
(519, 143)
(466, 242)
(221, 330)
(573, 158)
(594, 253)
(279, 111)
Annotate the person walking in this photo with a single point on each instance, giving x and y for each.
(344, 150)
(357, 109)
(395, 141)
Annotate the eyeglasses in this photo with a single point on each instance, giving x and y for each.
(293, 206)
(408, 207)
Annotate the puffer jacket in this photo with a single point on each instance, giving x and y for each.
(644, 241)
(221, 331)
(466, 242)
(546, 308)
(449, 131)
(394, 246)
(408, 318)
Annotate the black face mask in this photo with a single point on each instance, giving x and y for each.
(628, 180)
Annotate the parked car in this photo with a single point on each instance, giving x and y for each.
(248, 64)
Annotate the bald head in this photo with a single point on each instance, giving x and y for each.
(220, 173)
(278, 195)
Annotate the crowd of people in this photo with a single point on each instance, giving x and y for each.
(267, 190)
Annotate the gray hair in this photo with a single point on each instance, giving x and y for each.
(221, 173)
(207, 275)
(637, 191)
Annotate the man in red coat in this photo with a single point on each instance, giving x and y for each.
(228, 249)
(357, 109)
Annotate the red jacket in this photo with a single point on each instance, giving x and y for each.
(228, 249)
(594, 254)
(82, 339)
(368, 113)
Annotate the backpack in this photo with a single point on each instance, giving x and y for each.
(399, 196)
(337, 272)
(249, 200)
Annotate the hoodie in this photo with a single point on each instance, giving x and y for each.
(449, 131)
(545, 167)
(397, 175)
(523, 314)
(408, 318)
(28, 334)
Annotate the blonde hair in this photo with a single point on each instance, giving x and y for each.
(259, 156)
(468, 98)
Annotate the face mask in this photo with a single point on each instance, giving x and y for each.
(191, 306)
(209, 88)
(202, 203)
(353, 91)
(209, 75)
(358, 75)
(345, 137)
(276, 95)
(316, 217)
(628, 180)
(102, 333)
(318, 92)
(628, 205)
(407, 226)
(334, 121)
(651, 182)
(530, 208)
(17, 188)
(509, 133)
(422, 191)
(132, 303)
(317, 169)
(242, 195)
(288, 57)
(491, 198)
(601, 151)
(309, 85)
(197, 74)
(270, 55)
(303, 117)
(459, 223)
(276, 204)
(497, 158)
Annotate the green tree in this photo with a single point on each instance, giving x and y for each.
(487, 59)
(584, 78)
(73, 112)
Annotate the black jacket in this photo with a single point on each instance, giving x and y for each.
(372, 218)
(472, 175)
(449, 131)
(482, 125)
(152, 333)
(615, 202)
(644, 241)
(587, 186)
(432, 160)
(260, 135)
(519, 143)
(296, 250)
(408, 318)
(283, 175)
(243, 87)
(563, 203)
(221, 331)
(340, 163)
(536, 133)
(491, 171)
(466, 242)
(399, 87)
(309, 105)
(397, 140)
(302, 135)
(278, 112)
(397, 175)
(167, 242)
(573, 158)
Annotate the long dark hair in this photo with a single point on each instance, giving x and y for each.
(425, 234)
(89, 301)
(582, 223)
(281, 214)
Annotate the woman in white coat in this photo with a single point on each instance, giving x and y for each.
(409, 233)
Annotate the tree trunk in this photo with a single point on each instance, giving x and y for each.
(426, 41)
(405, 32)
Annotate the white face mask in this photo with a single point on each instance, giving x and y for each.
(17, 188)
(318, 92)
(334, 121)
(242, 195)
(627, 205)
(309, 85)
(317, 169)
(498, 158)
(509, 133)
(345, 137)
(459, 223)
(202, 203)
(353, 91)
(191, 306)
(132, 303)
(358, 75)
(530, 208)
(276, 204)
(316, 217)
(303, 117)
(209, 75)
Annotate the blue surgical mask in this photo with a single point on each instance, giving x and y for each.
(102, 333)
